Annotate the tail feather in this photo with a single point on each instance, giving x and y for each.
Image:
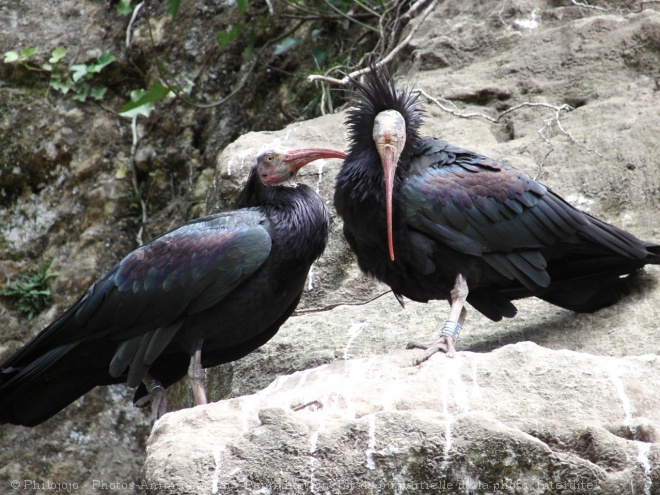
(33, 393)
(614, 239)
(584, 282)
(44, 401)
(654, 253)
(587, 284)
(587, 298)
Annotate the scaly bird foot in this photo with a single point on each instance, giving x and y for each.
(444, 344)
(158, 398)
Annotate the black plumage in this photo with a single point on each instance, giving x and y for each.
(463, 227)
(213, 289)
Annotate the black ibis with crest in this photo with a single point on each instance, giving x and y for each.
(434, 221)
(206, 293)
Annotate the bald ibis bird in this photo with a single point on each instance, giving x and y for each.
(434, 221)
(206, 293)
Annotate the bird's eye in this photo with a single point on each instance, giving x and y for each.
(269, 158)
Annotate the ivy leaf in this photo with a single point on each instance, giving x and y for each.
(81, 94)
(78, 71)
(11, 56)
(60, 84)
(57, 55)
(142, 102)
(22, 56)
(286, 45)
(124, 7)
(98, 93)
(27, 53)
(104, 60)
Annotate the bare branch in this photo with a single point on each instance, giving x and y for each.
(129, 28)
(418, 22)
(449, 107)
(333, 306)
(555, 120)
(346, 79)
(367, 8)
(455, 111)
(414, 8)
(399, 23)
(343, 81)
(384, 24)
(326, 79)
(317, 404)
(540, 169)
(350, 18)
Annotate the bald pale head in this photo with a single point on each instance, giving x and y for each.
(279, 167)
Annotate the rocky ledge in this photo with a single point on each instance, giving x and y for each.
(521, 419)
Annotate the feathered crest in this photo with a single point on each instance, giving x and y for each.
(376, 94)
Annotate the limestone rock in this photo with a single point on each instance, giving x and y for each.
(521, 419)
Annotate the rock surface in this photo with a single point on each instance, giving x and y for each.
(577, 423)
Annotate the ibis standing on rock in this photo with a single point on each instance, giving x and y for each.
(206, 293)
(434, 221)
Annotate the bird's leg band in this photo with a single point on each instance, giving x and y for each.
(153, 384)
(451, 329)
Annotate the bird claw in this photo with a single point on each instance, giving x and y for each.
(158, 399)
(444, 344)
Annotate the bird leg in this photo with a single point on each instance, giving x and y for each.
(196, 375)
(452, 327)
(156, 395)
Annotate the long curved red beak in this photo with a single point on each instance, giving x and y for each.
(389, 134)
(297, 159)
(389, 159)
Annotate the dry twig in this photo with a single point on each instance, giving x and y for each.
(129, 28)
(388, 58)
(548, 123)
(540, 169)
(458, 113)
(333, 306)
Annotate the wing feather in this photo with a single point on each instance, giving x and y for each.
(184, 271)
(486, 208)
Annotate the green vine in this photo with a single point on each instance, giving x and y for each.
(76, 78)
